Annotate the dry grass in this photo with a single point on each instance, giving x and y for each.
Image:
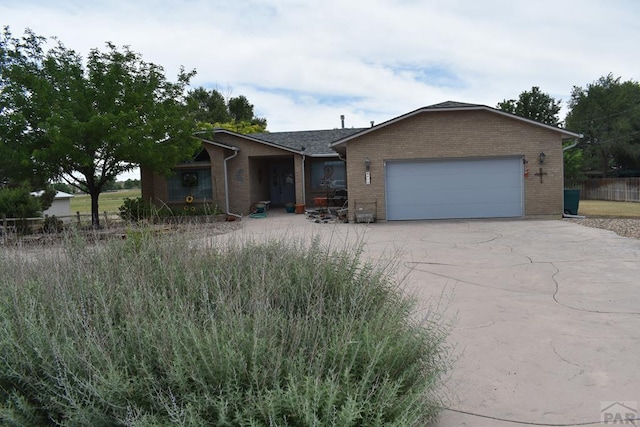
(601, 208)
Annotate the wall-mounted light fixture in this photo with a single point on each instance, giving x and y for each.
(367, 164)
(541, 157)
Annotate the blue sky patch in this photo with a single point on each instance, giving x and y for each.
(435, 75)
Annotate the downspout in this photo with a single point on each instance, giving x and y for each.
(226, 184)
(569, 147)
(304, 179)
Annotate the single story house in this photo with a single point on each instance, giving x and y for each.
(61, 205)
(449, 160)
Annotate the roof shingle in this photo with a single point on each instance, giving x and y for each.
(315, 142)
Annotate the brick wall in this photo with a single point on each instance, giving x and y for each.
(248, 174)
(459, 134)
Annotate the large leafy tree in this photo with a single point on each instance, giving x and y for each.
(15, 167)
(208, 106)
(212, 108)
(86, 123)
(607, 113)
(535, 105)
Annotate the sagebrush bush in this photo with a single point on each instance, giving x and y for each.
(252, 334)
(134, 210)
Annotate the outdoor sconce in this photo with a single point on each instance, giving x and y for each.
(541, 157)
(367, 164)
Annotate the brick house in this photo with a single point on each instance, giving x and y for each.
(449, 160)
(236, 171)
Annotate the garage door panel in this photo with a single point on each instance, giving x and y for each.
(483, 188)
(459, 212)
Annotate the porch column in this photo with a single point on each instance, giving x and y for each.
(299, 179)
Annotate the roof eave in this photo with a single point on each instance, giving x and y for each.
(218, 144)
(260, 141)
(334, 154)
(566, 133)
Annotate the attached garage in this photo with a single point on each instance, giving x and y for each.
(454, 188)
(456, 160)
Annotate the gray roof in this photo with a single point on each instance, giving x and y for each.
(315, 142)
(452, 104)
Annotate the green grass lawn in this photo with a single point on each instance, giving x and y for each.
(109, 201)
(609, 209)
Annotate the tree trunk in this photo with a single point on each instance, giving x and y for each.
(95, 214)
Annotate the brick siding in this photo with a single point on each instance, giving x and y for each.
(459, 134)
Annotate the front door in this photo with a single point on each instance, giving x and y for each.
(283, 186)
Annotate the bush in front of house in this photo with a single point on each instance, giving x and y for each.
(260, 334)
(18, 203)
(52, 225)
(135, 210)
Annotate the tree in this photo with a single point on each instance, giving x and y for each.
(111, 185)
(534, 105)
(242, 111)
(574, 164)
(16, 167)
(239, 127)
(61, 186)
(607, 113)
(86, 124)
(19, 203)
(131, 183)
(236, 114)
(207, 106)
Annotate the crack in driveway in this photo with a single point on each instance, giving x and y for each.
(580, 369)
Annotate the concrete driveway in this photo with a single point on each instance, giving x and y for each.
(548, 312)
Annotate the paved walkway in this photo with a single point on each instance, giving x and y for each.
(547, 312)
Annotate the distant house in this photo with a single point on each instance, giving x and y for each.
(449, 160)
(61, 205)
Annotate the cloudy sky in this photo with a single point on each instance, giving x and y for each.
(304, 63)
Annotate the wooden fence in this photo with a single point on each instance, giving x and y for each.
(614, 189)
(80, 219)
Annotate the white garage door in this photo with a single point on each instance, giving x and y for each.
(460, 188)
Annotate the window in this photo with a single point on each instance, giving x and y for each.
(190, 182)
(328, 175)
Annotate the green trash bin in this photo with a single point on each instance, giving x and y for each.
(571, 201)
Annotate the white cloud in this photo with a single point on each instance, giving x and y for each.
(302, 64)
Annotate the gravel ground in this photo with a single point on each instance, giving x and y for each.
(626, 227)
